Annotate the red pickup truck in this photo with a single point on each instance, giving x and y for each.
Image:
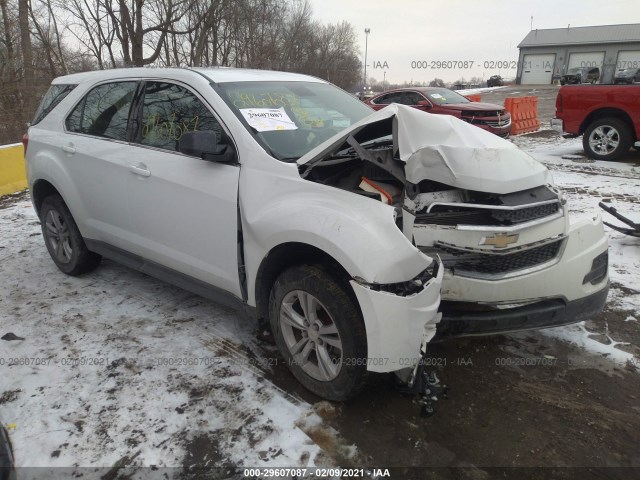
(608, 117)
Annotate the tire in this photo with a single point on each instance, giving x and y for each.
(607, 139)
(63, 239)
(334, 365)
(7, 466)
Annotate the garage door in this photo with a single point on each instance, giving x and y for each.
(628, 59)
(537, 69)
(586, 59)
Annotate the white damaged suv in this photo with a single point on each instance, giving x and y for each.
(284, 196)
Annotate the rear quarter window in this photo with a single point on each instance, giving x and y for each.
(104, 111)
(52, 98)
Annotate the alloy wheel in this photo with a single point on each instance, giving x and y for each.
(311, 335)
(58, 236)
(604, 140)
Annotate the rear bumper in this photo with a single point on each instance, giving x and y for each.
(544, 314)
(557, 125)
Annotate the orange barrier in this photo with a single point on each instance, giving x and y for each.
(524, 114)
(474, 98)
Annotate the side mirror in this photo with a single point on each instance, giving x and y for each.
(204, 144)
(424, 103)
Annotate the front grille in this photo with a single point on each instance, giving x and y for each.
(497, 124)
(454, 215)
(497, 262)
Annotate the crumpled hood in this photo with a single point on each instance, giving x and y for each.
(444, 149)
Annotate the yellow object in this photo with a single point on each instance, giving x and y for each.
(13, 176)
(11, 426)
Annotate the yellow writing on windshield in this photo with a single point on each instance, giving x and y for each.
(262, 100)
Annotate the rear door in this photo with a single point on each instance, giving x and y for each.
(96, 151)
(183, 209)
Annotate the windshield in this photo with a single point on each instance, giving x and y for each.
(292, 118)
(574, 71)
(444, 96)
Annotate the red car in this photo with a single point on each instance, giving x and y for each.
(490, 117)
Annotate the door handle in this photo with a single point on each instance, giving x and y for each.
(69, 148)
(140, 170)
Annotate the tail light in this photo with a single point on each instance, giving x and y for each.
(25, 142)
(559, 103)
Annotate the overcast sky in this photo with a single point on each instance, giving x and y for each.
(481, 31)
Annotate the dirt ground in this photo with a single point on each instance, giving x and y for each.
(562, 413)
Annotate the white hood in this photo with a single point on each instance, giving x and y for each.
(445, 149)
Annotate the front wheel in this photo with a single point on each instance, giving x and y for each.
(319, 332)
(607, 139)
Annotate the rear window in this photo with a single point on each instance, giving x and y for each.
(53, 97)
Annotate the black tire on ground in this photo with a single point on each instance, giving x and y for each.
(607, 139)
(7, 467)
(63, 239)
(313, 318)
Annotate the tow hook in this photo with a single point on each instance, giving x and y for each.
(427, 385)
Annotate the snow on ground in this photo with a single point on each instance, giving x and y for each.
(474, 91)
(117, 368)
(586, 182)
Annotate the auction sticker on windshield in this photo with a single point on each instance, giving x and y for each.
(268, 119)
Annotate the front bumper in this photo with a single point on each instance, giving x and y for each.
(556, 295)
(544, 314)
(503, 132)
(396, 325)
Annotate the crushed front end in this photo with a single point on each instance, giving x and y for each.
(511, 258)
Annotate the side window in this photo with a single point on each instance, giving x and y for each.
(384, 99)
(104, 111)
(53, 97)
(397, 97)
(170, 110)
(412, 98)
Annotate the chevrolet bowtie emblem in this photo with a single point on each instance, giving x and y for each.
(500, 240)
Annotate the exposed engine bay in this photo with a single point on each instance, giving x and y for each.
(439, 191)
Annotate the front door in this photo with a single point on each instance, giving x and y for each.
(183, 209)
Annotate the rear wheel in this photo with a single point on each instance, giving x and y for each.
(63, 239)
(607, 139)
(319, 332)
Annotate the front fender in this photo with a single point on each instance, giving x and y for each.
(358, 232)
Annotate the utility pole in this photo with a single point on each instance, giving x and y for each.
(366, 44)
